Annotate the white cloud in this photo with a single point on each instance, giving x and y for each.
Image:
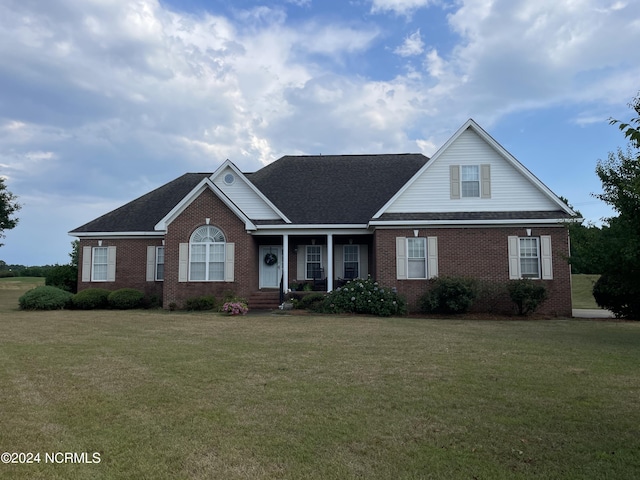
(412, 45)
(400, 7)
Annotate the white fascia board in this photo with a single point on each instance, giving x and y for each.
(192, 195)
(351, 229)
(231, 165)
(498, 148)
(116, 235)
(458, 223)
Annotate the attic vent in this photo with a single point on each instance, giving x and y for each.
(229, 179)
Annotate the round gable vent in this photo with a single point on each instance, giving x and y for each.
(229, 179)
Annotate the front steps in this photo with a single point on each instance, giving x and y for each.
(264, 300)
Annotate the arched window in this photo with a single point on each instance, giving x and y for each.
(207, 254)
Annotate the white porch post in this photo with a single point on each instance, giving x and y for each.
(285, 261)
(329, 262)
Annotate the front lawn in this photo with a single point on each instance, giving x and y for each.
(161, 395)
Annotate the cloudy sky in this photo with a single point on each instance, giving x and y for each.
(104, 100)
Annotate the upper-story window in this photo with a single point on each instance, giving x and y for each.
(470, 181)
(207, 254)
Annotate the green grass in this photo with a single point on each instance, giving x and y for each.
(581, 290)
(164, 395)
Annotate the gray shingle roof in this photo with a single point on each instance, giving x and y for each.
(335, 189)
(143, 213)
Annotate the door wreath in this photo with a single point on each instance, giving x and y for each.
(270, 259)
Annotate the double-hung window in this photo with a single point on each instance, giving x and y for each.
(417, 257)
(470, 181)
(99, 266)
(207, 254)
(313, 262)
(529, 248)
(159, 263)
(351, 254)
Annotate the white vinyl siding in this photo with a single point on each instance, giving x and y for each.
(530, 257)
(503, 187)
(416, 257)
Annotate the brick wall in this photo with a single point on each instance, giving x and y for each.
(208, 205)
(481, 253)
(131, 265)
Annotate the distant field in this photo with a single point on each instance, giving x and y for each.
(164, 395)
(581, 290)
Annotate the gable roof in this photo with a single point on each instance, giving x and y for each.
(335, 189)
(142, 214)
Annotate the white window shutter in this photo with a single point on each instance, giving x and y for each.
(454, 178)
(151, 263)
(111, 264)
(485, 181)
(401, 258)
(86, 264)
(514, 258)
(183, 262)
(229, 262)
(432, 257)
(545, 257)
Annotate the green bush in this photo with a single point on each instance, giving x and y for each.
(125, 298)
(45, 298)
(7, 273)
(204, 302)
(364, 296)
(448, 295)
(64, 277)
(91, 298)
(621, 296)
(527, 295)
(312, 301)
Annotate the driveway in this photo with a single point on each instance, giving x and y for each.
(591, 313)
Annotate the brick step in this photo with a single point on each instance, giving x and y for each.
(265, 300)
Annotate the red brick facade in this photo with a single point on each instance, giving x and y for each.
(480, 253)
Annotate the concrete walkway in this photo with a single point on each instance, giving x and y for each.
(591, 313)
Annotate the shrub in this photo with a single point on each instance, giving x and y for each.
(45, 298)
(448, 295)
(620, 296)
(126, 298)
(527, 295)
(91, 298)
(364, 296)
(237, 307)
(491, 296)
(7, 273)
(204, 302)
(312, 301)
(64, 277)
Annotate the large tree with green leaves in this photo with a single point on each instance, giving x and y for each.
(8, 207)
(619, 287)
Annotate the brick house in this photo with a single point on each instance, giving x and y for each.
(471, 210)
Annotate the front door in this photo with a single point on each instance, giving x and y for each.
(270, 259)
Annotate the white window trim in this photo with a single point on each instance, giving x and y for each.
(157, 263)
(545, 263)
(306, 260)
(344, 259)
(478, 181)
(208, 247)
(402, 260)
(88, 264)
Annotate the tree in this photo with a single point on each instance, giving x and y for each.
(8, 207)
(620, 241)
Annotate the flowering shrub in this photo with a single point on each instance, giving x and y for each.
(235, 308)
(364, 296)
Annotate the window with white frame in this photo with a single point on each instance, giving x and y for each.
(207, 254)
(470, 181)
(159, 263)
(313, 261)
(529, 251)
(417, 257)
(351, 262)
(99, 264)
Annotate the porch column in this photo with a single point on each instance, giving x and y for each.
(329, 262)
(285, 261)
